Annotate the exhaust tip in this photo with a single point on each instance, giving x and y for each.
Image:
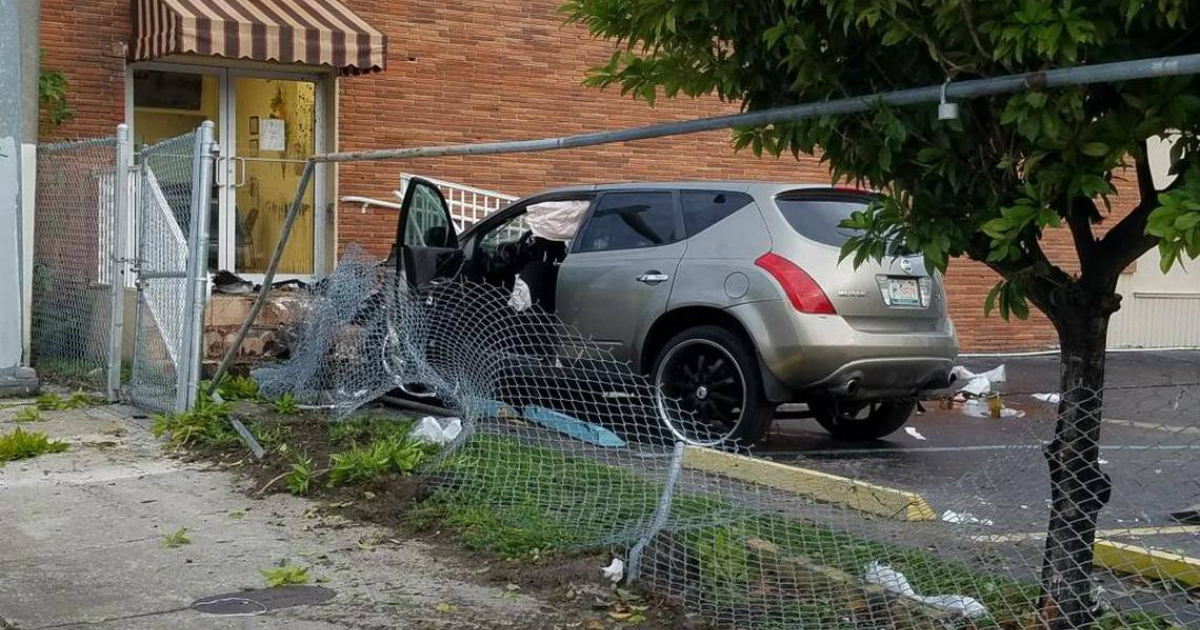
(848, 389)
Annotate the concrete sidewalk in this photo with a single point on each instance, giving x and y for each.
(81, 545)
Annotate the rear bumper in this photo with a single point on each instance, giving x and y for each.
(809, 354)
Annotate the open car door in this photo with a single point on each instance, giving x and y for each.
(425, 235)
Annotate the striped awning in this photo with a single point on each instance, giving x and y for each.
(314, 32)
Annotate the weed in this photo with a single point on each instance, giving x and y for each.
(299, 481)
(238, 388)
(29, 414)
(53, 402)
(24, 445)
(206, 424)
(368, 429)
(236, 515)
(381, 457)
(286, 575)
(286, 405)
(177, 538)
(270, 438)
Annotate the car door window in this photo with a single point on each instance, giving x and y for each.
(509, 231)
(630, 220)
(703, 208)
(427, 222)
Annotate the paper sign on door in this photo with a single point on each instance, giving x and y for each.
(271, 135)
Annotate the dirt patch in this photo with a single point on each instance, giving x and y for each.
(383, 500)
(571, 583)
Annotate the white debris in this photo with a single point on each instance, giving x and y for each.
(895, 583)
(978, 408)
(981, 383)
(521, 299)
(914, 432)
(437, 431)
(964, 518)
(1053, 399)
(1102, 461)
(614, 571)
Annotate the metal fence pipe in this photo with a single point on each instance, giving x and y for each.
(1065, 77)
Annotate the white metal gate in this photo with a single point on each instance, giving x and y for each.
(174, 194)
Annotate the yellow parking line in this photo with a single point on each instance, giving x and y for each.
(1121, 531)
(1146, 562)
(824, 487)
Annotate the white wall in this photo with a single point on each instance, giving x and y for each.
(1158, 310)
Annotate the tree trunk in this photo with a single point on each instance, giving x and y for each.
(1079, 489)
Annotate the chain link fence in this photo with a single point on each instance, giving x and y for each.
(565, 448)
(74, 244)
(171, 258)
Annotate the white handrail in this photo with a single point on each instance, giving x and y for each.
(468, 204)
(367, 202)
(404, 177)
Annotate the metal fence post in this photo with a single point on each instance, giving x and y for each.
(197, 267)
(117, 275)
(633, 568)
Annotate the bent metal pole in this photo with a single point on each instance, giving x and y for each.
(1047, 79)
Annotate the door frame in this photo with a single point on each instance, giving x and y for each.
(226, 167)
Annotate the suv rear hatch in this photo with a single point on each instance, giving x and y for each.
(896, 294)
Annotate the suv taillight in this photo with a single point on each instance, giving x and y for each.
(803, 292)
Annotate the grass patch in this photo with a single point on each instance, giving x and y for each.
(286, 575)
(286, 405)
(29, 414)
(368, 429)
(234, 388)
(77, 400)
(177, 538)
(384, 456)
(299, 479)
(517, 500)
(205, 425)
(23, 445)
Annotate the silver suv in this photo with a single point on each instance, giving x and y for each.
(728, 295)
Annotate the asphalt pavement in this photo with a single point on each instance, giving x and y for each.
(990, 474)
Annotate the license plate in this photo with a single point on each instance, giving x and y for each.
(904, 292)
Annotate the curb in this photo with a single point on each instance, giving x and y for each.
(852, 493)
(1147, 562)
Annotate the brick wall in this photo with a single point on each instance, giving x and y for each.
(86, 41)
(486, 71)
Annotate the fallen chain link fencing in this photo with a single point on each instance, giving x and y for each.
(565, 448)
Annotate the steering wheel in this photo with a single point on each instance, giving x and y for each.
(509, 254)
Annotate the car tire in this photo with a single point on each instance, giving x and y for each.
(881, 421)
(701, 371)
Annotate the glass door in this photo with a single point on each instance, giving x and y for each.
(274, 130)
(267, 125)
(170, 100)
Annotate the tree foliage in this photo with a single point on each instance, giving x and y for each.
(987, 185)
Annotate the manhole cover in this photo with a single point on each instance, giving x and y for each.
(259, 601)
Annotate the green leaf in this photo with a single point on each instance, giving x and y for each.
(989, 304)
(1094, 149)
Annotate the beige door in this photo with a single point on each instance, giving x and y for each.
(274, 131)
